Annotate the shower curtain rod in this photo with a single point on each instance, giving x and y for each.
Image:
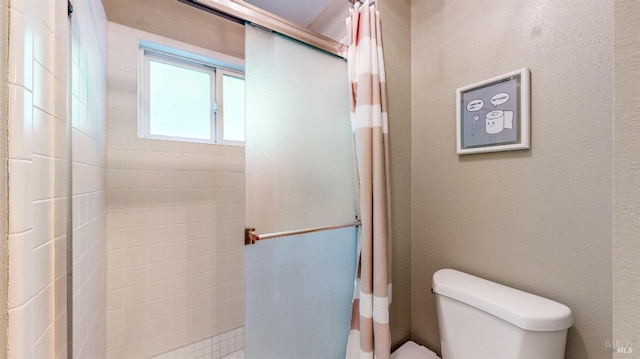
(250, 236)
(241, 12)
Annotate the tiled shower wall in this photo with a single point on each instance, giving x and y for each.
(37, 196)
(89, 116)
(175, 222)
(38, 174)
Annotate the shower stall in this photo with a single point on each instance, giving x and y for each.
(180, 280)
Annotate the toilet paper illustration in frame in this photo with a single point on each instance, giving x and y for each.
(493, 115)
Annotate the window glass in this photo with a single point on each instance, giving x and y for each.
(179, 101)
(184, 98)
(233, 106)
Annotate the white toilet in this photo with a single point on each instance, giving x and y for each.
(412, 350)
(480, 319)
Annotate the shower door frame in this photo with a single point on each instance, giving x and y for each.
(242, 11)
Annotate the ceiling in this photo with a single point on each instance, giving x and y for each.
(326, 17)
(303, 13)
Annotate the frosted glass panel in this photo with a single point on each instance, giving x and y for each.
(299, 163)
(298, 301)
(299, 174)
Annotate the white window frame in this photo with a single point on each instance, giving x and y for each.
(216, 91)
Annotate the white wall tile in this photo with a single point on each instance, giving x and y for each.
(44, 41)
(114, 299)
(135, 256)
(43, 88)
(147, 36)
(60, 270)
(114, 279)
(20, 49)
(43, 167)
(136, 198)
(20, 268)
(115, 59)
(135, 314)
(115, 36)
(43, 222)
(136, 179)
(43, 312)
(20, 196)
(21, 337)
(122, 120)
(135, 334)
(115, 338)
(115, 199)
(136, 295)
(45, 345)
(20, 123)
(130, 63)
(45, 12)
(43, 128)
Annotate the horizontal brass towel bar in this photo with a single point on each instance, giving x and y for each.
(250, 236)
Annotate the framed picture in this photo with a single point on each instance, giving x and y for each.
(493, 115)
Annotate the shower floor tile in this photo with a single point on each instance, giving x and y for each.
(236, 355)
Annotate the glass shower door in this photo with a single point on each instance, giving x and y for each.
(299, 175)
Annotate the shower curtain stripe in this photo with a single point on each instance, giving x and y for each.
(370, 335)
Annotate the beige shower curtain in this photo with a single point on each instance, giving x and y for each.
(370, 336)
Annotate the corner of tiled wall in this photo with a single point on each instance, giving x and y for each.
(37, 89)
(38, 168)
(89, 172)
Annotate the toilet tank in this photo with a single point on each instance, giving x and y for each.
(481, 319)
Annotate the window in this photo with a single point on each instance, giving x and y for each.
(232, 105)
(183, 99)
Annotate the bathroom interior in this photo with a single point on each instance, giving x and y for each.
(159, 264)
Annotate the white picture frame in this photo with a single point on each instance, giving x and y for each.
(494, 114)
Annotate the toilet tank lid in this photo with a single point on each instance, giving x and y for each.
(525, 310)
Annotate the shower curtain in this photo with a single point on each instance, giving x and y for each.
(370, 335)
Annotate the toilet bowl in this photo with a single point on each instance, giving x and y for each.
(412, 350)
(481, 319)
